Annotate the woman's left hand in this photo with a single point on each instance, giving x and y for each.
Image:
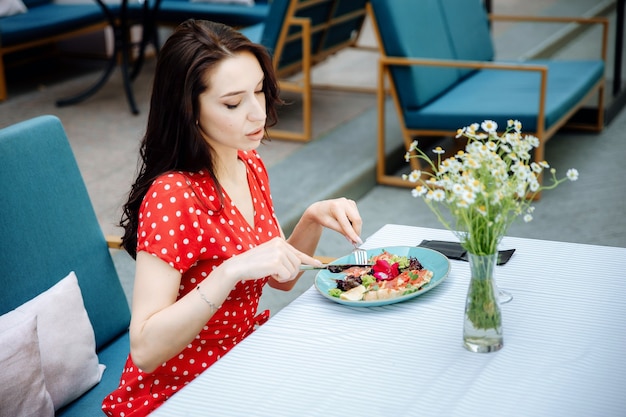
(340, 215)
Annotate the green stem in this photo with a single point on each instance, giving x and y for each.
(482, 307)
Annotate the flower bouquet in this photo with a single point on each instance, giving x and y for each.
(477, 194)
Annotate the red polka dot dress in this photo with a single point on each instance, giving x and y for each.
(182, 222)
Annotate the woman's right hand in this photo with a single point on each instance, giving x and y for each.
(275, 258)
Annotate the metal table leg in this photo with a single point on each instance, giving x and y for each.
(120, 46)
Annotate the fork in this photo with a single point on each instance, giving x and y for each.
(360, 256)
(360, 259)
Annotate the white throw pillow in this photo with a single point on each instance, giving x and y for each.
(11, 7)
(66, 341)
(22, 388)
(239, 2)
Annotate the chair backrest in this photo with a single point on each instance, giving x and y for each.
(335, 24)
(48, 227)
(468, 26)
(434, 29)
(343, 26)
(34, 3)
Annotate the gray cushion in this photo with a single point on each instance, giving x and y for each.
(66, 341)
(22, 388)
(114, 356)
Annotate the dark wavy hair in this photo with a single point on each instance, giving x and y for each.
(173, 141)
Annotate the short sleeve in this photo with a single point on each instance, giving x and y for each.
(169, 221)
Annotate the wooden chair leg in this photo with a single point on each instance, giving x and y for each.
(3, 81)
(306, 133)
(304, 88)
(600, 124)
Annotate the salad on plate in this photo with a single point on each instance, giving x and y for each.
(390, 276)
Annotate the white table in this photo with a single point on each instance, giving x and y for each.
(564, 347)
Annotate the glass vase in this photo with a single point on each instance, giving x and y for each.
(482, 330)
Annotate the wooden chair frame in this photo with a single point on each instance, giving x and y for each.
(385, 62)
(5, 50)
(304, 85)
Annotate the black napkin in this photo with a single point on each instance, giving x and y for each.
(454, 250)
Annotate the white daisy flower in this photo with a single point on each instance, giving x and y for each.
(439, 195)
(532, 140)
(419, 191)
(572, 174)
(415, 175)
(489, 126)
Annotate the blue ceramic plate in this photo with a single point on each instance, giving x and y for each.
(430, 259)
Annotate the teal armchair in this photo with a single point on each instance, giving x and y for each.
(438, 58)
(49, 228)
(300, 34)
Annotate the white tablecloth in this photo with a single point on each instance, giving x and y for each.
(564, 347)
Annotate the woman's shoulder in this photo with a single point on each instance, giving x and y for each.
(181, 179)
(254, 160)
(188, 185)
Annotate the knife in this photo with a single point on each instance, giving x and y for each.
(335, 269)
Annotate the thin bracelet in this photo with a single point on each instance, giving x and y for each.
(206, 300)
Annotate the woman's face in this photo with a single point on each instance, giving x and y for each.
(232, 109)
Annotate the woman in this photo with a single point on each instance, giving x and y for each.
(199, 219)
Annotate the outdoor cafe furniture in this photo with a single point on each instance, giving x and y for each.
(437, 59)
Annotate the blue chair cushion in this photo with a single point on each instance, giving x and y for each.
(49, 228)
(468, 27)
(114, 356)
(176, 11)
(267, 32)
(340, 33)
(254, 32)
(323, 41)
(35, 3)
(504, 94)
(425, 37)
(47, 20)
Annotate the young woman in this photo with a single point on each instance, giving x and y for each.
(199, 219)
